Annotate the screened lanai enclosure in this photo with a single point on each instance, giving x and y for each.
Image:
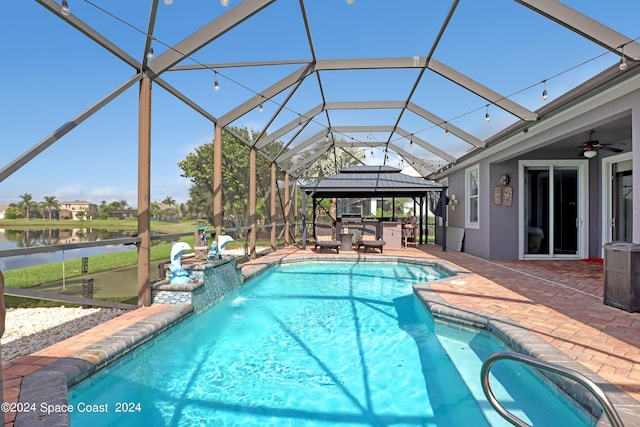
(413, 85)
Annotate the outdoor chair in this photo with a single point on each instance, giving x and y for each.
(369, 238)
(409, 233)
(324, 238)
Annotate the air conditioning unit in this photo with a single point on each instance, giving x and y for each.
(622, 275)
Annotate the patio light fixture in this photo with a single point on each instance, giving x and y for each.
(486, 115)
(216, 85)
(168, 2)
(544, 92)
(65, 8)
(623, 61)
(590, 154)
(150, 52)
(225, 3)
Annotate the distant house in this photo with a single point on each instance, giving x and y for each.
(3, 208)
(167, 212)
(124, 213)
(72, 210)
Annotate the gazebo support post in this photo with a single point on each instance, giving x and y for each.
(443, 209)
(313, 214)
(304, 220)
(425, 212)
(420, 216)
(418, 237)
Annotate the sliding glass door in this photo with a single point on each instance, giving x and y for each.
(553, 209)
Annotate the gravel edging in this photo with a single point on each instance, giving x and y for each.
(31, 329)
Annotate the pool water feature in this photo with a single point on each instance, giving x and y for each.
(318, 344)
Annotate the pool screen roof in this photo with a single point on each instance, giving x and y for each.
(423, 83)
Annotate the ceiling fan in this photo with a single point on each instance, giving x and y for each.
(590, 148)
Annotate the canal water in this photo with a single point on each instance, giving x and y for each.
(25, 238)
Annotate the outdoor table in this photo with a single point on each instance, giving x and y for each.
(346, 241)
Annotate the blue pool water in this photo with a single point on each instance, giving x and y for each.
(318, 344)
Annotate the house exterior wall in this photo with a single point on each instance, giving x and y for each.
(635, 137)
(503, 220)
(498, 234)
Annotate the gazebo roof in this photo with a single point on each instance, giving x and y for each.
(371, 181)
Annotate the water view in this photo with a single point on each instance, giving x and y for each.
(26, 238)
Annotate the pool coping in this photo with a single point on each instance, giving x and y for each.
(524, 341)
(63, 373)
(68, 371)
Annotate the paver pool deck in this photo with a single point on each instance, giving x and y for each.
(559, 301)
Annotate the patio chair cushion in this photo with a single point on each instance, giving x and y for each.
(324, 238)
(368, 238)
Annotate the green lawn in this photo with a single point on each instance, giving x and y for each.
(107, 269)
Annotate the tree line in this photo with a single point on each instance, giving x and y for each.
(49, 208)
(198, 168)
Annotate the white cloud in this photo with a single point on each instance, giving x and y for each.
(110, 194)
(71, 192)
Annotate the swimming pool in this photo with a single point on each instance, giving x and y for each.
(316, 344)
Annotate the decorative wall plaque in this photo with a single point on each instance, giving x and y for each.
(497, 195)
(508, 196)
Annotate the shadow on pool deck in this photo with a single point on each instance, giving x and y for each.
(560, 301)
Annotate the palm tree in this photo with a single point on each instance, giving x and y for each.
(184, 209)
(27, 203)
(50, 203)
(169, 201)
(156, 211)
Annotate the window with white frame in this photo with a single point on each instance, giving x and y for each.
(472, 191)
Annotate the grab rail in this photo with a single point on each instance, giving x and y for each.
(593, 388)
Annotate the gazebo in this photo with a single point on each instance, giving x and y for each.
(375, 181)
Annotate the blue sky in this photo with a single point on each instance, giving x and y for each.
(50, 73)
